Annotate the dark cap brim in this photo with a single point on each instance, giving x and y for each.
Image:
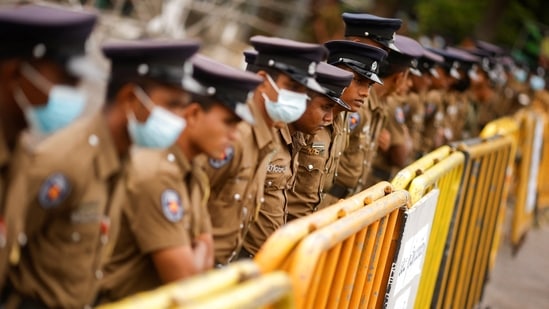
(368, 74)
(340, 102)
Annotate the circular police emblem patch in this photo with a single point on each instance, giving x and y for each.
(54, 191)
(171, 205)
(354, 120)
(399, 115)
(227, 156)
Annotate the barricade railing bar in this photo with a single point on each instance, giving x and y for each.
(462, 279)
(443, 169)
(239, 285)
(354, 247)
(277, 251)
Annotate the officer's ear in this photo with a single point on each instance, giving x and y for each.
(265, 82)
(192, 113)
(126, 96)
(10, 71)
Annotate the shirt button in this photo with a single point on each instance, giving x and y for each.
(262, 200)
(98, 274)
(22, 239)
(339, 153)
(241, 225)
(244, 212)
(170, 157)
(75, 236)
(237, 197)
(269, 183)
(93, 140)
(310, 167)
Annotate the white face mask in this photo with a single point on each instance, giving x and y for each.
(537, 82)
(63, 106)
(289, 106)
(160, 130)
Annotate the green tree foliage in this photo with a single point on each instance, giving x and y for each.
(453, 19)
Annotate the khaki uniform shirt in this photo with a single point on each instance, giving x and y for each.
(383, 169)
(339, 141)
(4, 172)
(278, 180)
(434, 121)
(310, 173)
(237, 184)
(165, 207)
(356, 161)
(14, 211)
(414, 110)
(70, 180)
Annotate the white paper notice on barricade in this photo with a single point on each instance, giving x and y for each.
(534, 166)
(406, 270)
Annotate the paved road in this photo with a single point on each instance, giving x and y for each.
(521, 281)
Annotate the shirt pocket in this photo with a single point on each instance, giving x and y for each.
(310, 173)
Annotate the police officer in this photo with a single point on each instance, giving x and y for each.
(42, 50)
(166, 229)
(417, 98)
(363, 60)
(315, 126)
(378, 32)
(290, 104)
(74, 188)
(434, 132)
(394, 72)
(238, 182)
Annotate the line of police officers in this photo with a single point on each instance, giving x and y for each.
(191, 163)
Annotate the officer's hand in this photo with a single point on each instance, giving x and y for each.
(200, 251)
(384, 140)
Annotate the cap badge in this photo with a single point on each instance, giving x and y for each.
(414, 63)
(54, 190)
(374, 66)
(171, 205)
(39, 50)
(143, 69)
(312, 68)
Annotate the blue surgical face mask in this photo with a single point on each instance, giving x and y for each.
(537, 82)
(520, 75)
(289, 106)
(65, 104)
(160, 130)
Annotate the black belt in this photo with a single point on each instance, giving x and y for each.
(381, 174)
(340, 191)
(244, 254)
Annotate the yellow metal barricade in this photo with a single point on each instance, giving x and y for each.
(277, 251)
(505, 126)
(525, 174)
(443, 169)
(239, 285)
(344, 264)
(543, 177)
(483, 193)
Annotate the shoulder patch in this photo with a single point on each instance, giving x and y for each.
(430, 109)
(54, 190)
(399, 115)
(171, 205)
(354, 120)
(218, 163)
